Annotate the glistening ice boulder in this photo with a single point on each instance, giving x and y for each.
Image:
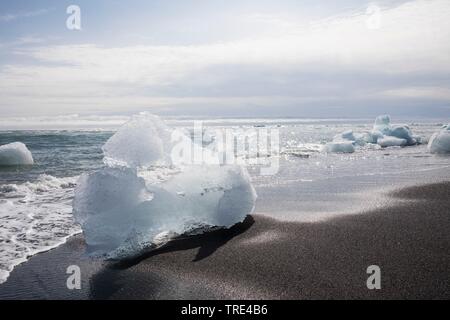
(384, 133)
(15, 153)
(121, 216)
(143, 141)
(123, 210)
(440, 141)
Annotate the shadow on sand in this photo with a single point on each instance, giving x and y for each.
(109, 280)
(207, 243)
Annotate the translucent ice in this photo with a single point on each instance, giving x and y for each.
(339, 147)
(440, 141)
(382, 124)
(382, 127)
(383, 133)
(389, 141)
(349, 136)
(15, 153)
(143, 141)
(403, 132)
(125, 208)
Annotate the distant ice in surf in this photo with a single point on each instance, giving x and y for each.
(14, 154)
(440, 141)
(383, 134)
(340, 147)
(141, 196)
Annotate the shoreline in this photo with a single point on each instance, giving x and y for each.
(264, 258)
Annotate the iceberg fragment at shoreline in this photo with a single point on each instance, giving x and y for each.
(124, 210)
(382, 124)
(389, 141)
(383, 134)
(142, 141)
(440, 141)
(388, 135)
(340, 147)
(14, 154)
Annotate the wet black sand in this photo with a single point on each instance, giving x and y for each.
(268, 259)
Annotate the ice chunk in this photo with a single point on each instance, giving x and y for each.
(339, 147)
(389, 141)
(137, 201)
(346, 135)
(372, 137)
(383, 133)
(350, 136)
(440, 141)
(403, 132)
(15, 153)
(121, 215)
(143, 141)
(382, 124)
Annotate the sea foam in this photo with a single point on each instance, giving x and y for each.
(35, 217)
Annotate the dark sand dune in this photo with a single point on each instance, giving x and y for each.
(264, 258)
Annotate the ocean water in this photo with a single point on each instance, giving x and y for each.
(36, 201)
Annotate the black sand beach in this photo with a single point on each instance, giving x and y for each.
(267, 259)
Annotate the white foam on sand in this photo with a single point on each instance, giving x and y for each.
(35, 217)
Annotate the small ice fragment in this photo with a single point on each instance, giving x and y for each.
(389, 141)
(382, 124)
(15, 153)
(403, 132)
(339, 147)
(440, 141)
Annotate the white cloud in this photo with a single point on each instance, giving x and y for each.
(13, 16)
(420, 93)
(412, 39)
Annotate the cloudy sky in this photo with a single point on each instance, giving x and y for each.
(348, 58)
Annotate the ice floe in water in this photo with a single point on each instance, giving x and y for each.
(440, 141)
(138, 201)
(14, 154)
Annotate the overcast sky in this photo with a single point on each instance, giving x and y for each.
(296, 58)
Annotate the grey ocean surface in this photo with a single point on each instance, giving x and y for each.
(35, 202)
